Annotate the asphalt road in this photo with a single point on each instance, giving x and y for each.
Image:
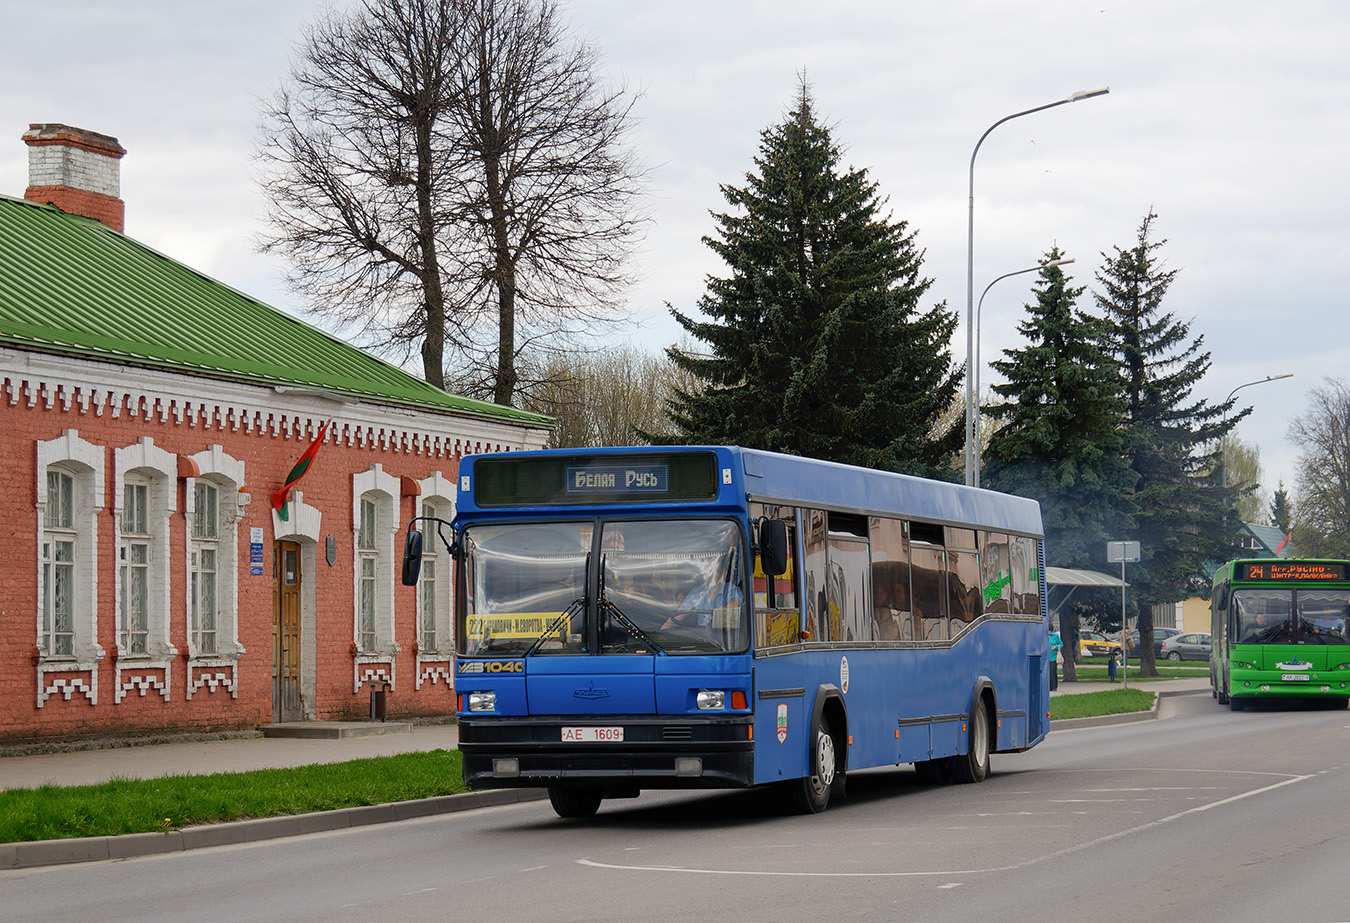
(1201, 815)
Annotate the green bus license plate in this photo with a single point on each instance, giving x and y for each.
(1294, 677)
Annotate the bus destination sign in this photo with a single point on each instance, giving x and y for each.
(615, 480)
(1293, 571)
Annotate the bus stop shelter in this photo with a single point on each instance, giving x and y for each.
(1073, 578)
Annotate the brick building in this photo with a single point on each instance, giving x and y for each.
(147, 414)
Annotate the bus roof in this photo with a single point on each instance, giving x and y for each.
(794, 480)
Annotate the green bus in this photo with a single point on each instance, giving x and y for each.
(1280, 631)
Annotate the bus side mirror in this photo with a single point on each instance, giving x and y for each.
(773, 547)
(412, 557)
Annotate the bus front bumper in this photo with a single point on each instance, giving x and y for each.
(1268, 687)
(620, 751)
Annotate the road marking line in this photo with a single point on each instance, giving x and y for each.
(1026, 863)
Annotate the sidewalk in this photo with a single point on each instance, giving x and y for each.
(89, 767)
(1161, 686)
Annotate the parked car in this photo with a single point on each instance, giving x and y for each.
(1193, 646)
(1160, 634)
(1096, 644)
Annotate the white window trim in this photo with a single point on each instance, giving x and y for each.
(151, 671)
(434, 665)
(383, 488)
(84, 461)
(221, 669)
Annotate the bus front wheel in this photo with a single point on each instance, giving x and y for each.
(811, 794)
(573, 802)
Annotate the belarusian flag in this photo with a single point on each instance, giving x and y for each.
(300, 470)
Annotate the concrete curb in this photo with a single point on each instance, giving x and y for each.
(1069, 724)
(41, 853)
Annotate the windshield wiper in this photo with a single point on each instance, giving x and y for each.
(566, 615)
(625, 621)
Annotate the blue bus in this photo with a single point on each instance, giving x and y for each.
(719, 617)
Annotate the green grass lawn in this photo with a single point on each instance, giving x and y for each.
(145, 805)
(1092, 673)
(1097, 704)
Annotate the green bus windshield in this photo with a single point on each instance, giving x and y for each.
(1285, 616)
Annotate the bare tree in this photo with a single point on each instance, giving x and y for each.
(1323, 483)
(1242, 468)
(452, 175)
(615, 397)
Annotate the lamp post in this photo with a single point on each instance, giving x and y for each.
(979, 365)
(1223, 456)
(970, 271)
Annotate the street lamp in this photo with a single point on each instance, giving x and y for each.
(1223, 457)
(970, 272)
(979, 310)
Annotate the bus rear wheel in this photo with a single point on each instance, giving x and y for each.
(573, 802)
(974, 765)
(811, 795)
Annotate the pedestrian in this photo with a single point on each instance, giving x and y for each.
(1056, 645)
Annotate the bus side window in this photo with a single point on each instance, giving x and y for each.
(964, 604)
(891, 608)
(928, 572)
(815, 571)
(777, 614)
(1025, 583)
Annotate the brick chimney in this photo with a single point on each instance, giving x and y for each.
(75, 170)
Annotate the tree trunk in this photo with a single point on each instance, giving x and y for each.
(433, 347)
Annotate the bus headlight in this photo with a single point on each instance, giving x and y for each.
(482, 701)
(711, 700)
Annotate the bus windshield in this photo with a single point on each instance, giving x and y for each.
(636, 587)
(1304, 616)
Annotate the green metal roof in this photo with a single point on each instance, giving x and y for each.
(74, 286)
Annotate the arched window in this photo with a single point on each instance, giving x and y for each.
(70, 497)
(133, 555)
(147, 499)
(374, 526)
(215, 508)
(203, 564)
(57, 632)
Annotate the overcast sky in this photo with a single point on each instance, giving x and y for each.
(1231, 120)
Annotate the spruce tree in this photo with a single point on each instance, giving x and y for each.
(1059, 439)
(815, 344)
(1185, 515)
(1281, 510)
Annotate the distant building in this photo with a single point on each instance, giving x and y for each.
(148, 414)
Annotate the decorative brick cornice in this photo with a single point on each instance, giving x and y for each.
(75, 386)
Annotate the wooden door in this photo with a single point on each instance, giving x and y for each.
(286, 632)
